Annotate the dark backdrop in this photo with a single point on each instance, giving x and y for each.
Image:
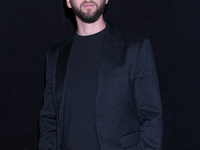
(29, 28)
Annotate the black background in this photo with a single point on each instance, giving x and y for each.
(29, 28)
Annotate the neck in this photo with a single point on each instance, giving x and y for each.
(85, 29)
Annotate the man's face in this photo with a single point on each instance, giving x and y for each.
(88, 11)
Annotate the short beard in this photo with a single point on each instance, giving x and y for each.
(89, 17)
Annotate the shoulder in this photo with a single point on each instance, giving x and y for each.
(55, 49)
(134, 44)
(53, 53)
(132, 38)
(126, 36)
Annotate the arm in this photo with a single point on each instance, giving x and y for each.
(148, 102)
(47, 123)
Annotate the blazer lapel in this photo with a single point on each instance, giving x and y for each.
(61, 72)
(112, 48)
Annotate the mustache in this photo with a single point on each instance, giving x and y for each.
(91, 2)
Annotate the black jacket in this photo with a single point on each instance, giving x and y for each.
(128, 113)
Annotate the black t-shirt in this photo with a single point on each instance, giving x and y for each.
(82, 81)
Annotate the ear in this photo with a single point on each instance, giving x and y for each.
(106, 1)
(68, 3)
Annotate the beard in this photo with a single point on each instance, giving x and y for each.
(89, 16)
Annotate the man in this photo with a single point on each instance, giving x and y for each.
(101, 88)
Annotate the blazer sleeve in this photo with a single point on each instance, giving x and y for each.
(147, 97)
(47, 122)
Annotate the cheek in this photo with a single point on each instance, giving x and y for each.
(75, 3)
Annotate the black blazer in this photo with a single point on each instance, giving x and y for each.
(128, 113)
